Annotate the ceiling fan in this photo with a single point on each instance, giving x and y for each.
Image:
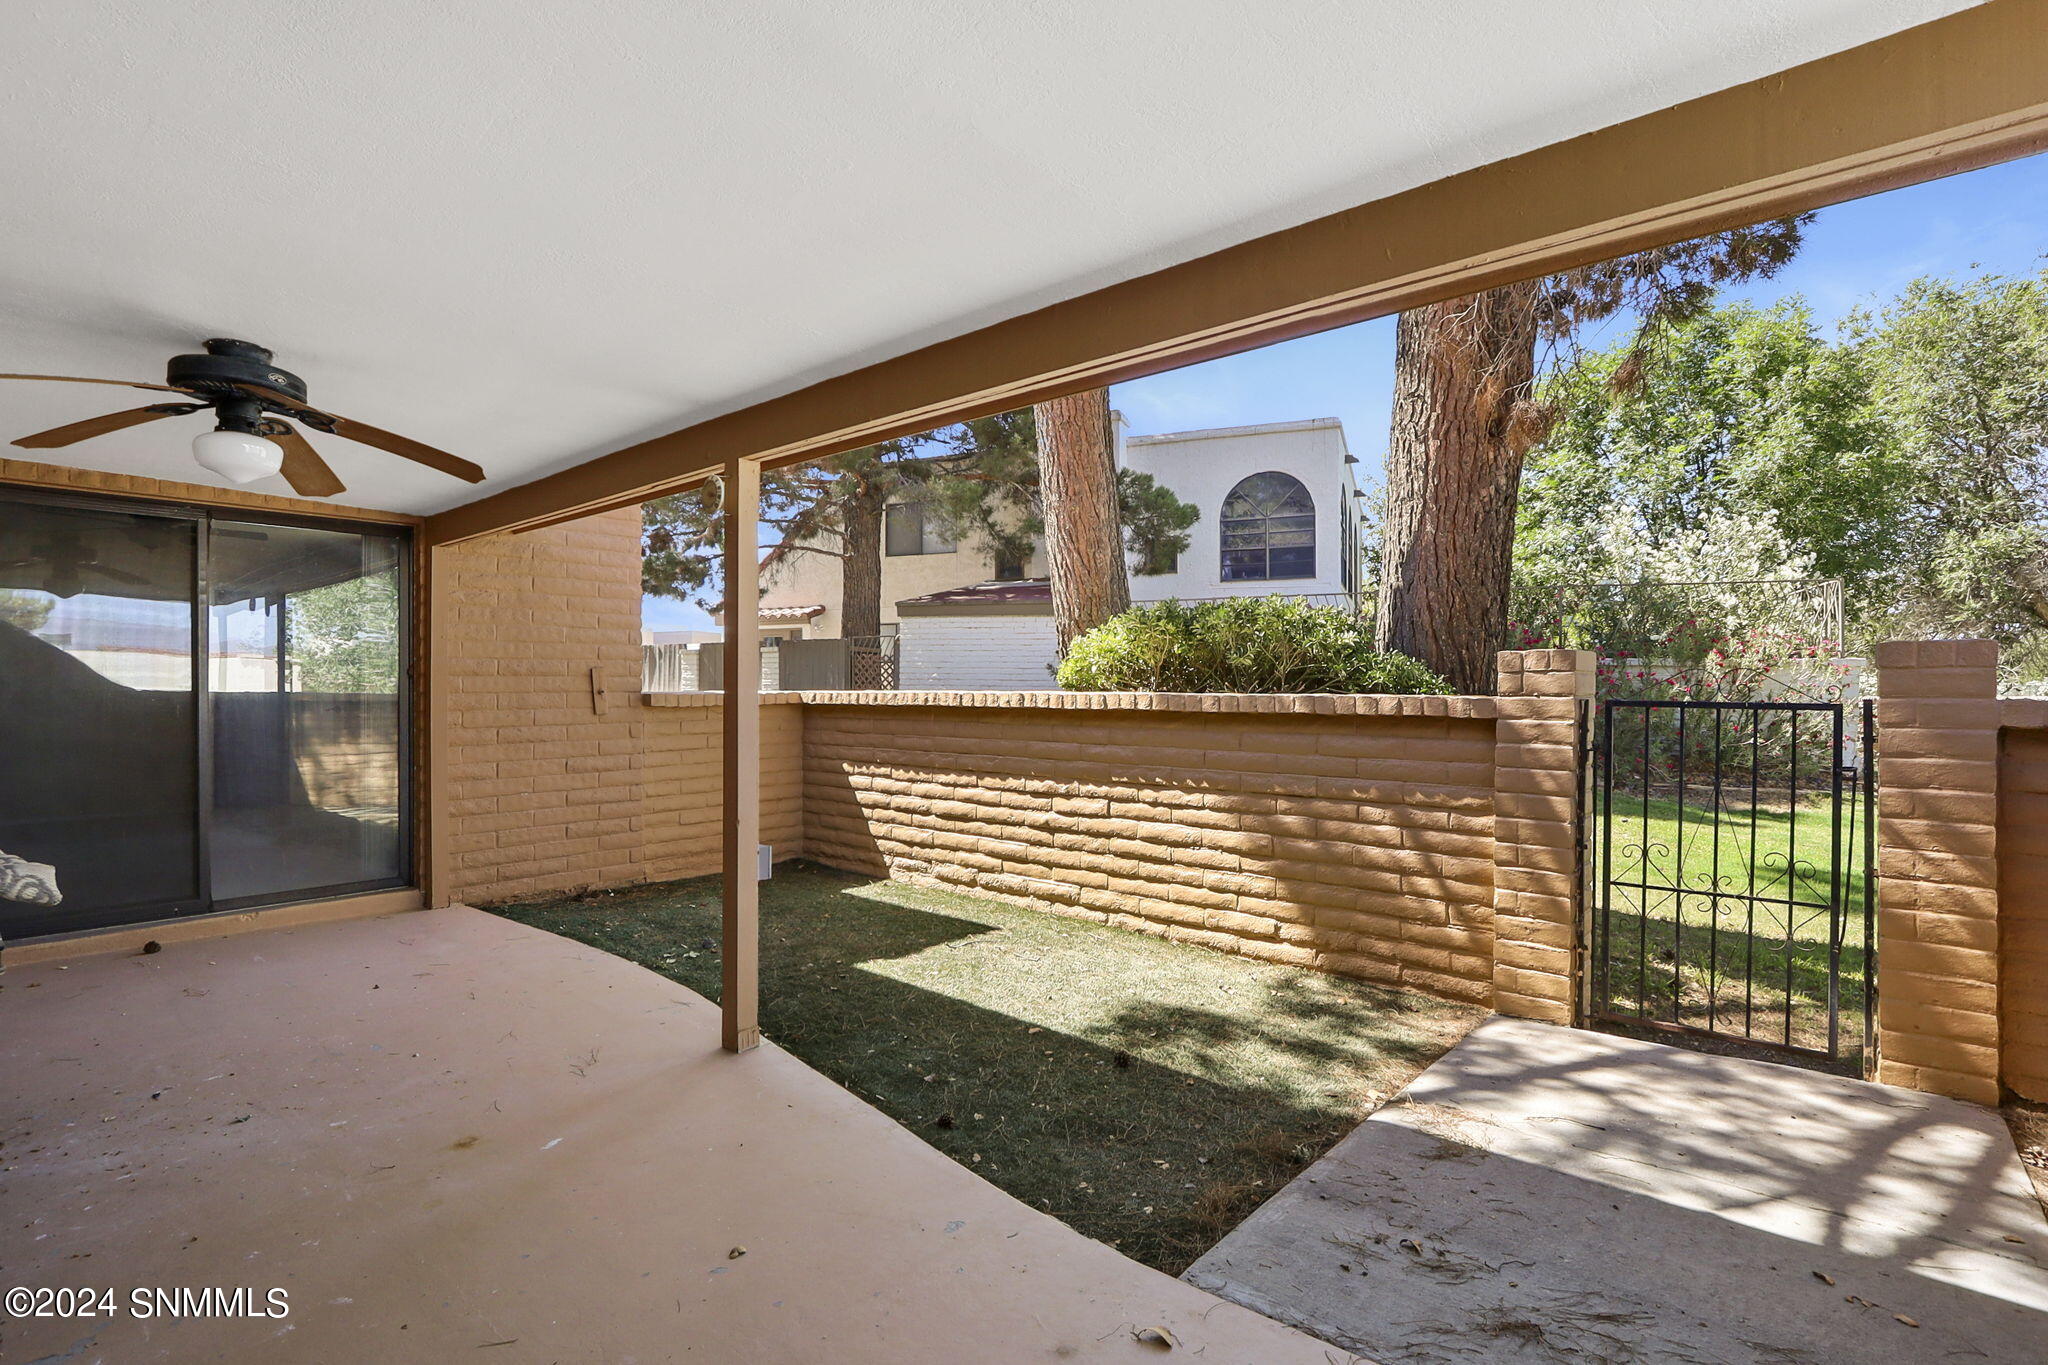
(249, 398)
(68, 561)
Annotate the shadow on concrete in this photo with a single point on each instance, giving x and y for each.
(1552, 1194)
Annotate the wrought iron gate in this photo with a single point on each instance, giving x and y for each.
(1734, 878)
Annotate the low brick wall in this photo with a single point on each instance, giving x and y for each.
(1428, 842)
(1354, 835)
(2023, 903)
(682, 770)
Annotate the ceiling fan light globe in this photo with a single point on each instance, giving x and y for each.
(238, 456)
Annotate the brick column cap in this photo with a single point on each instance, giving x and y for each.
(1521, 669)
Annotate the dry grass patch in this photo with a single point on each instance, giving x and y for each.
(1148, 1093)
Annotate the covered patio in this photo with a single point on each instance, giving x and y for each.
(743, 241)
(441, 1132)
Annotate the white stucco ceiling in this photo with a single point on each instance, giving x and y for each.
(531, 232)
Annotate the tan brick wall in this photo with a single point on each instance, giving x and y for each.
(2023, 908)
(1937, 962)
(1538, 771)
(1359, 843)
(543, 793)
(682, 771)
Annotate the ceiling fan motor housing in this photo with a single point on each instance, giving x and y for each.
(250, 398)
(227, 363)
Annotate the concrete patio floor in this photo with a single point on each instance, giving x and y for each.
(451, 1137)
(1546, 1194)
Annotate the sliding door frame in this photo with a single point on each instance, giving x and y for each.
(402, 566)
(203, 516)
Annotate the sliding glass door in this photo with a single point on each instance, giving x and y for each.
(98, 705)
(196, 712)
(305, 668)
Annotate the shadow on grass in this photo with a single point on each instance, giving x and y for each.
(1738, 984)
(1147, 1093)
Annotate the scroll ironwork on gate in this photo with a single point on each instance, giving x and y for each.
(1734, 871)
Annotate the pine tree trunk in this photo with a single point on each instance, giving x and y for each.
(1462, 374)
(860, 572)
(1084, 552)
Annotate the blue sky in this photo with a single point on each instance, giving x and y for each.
(1854, 254)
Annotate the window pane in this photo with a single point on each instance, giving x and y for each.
(98, 754)
(935, 541)
(1268, 528)
(903, 529)
(1244, 564)
(306, 669)
(1163, 565)
(1293, 563)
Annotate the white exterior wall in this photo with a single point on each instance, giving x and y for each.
(1202, 467)
(978, 653)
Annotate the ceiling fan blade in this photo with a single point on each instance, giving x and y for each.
(101, 426)
(417, 451)
(405, 446)
(308, 474)
(75, 379)
(118, 575)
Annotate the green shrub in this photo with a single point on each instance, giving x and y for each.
(1247, 644)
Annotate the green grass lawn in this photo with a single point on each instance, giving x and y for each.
(1148, 1093)
(1698, 958)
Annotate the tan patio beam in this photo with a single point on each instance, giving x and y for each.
(1962, 91)
(740, 953)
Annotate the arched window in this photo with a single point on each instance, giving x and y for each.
(1269, 529)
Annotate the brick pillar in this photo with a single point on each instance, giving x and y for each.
(1937, 833)
(1536, 780)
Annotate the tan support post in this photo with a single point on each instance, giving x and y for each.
(1937, 893)
(1537, 776)
(740, 1004)
(435, 752)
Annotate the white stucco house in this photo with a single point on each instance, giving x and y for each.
(1280, 510)
(1279, 515)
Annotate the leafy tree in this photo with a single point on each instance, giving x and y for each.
(833, 508)
(1466, 412)
(1908, 457)
(28, 610)
(344, 637)
(978, 481)
(1156, 523)
(1959, 373)
(997, 501)
(1742, 415)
